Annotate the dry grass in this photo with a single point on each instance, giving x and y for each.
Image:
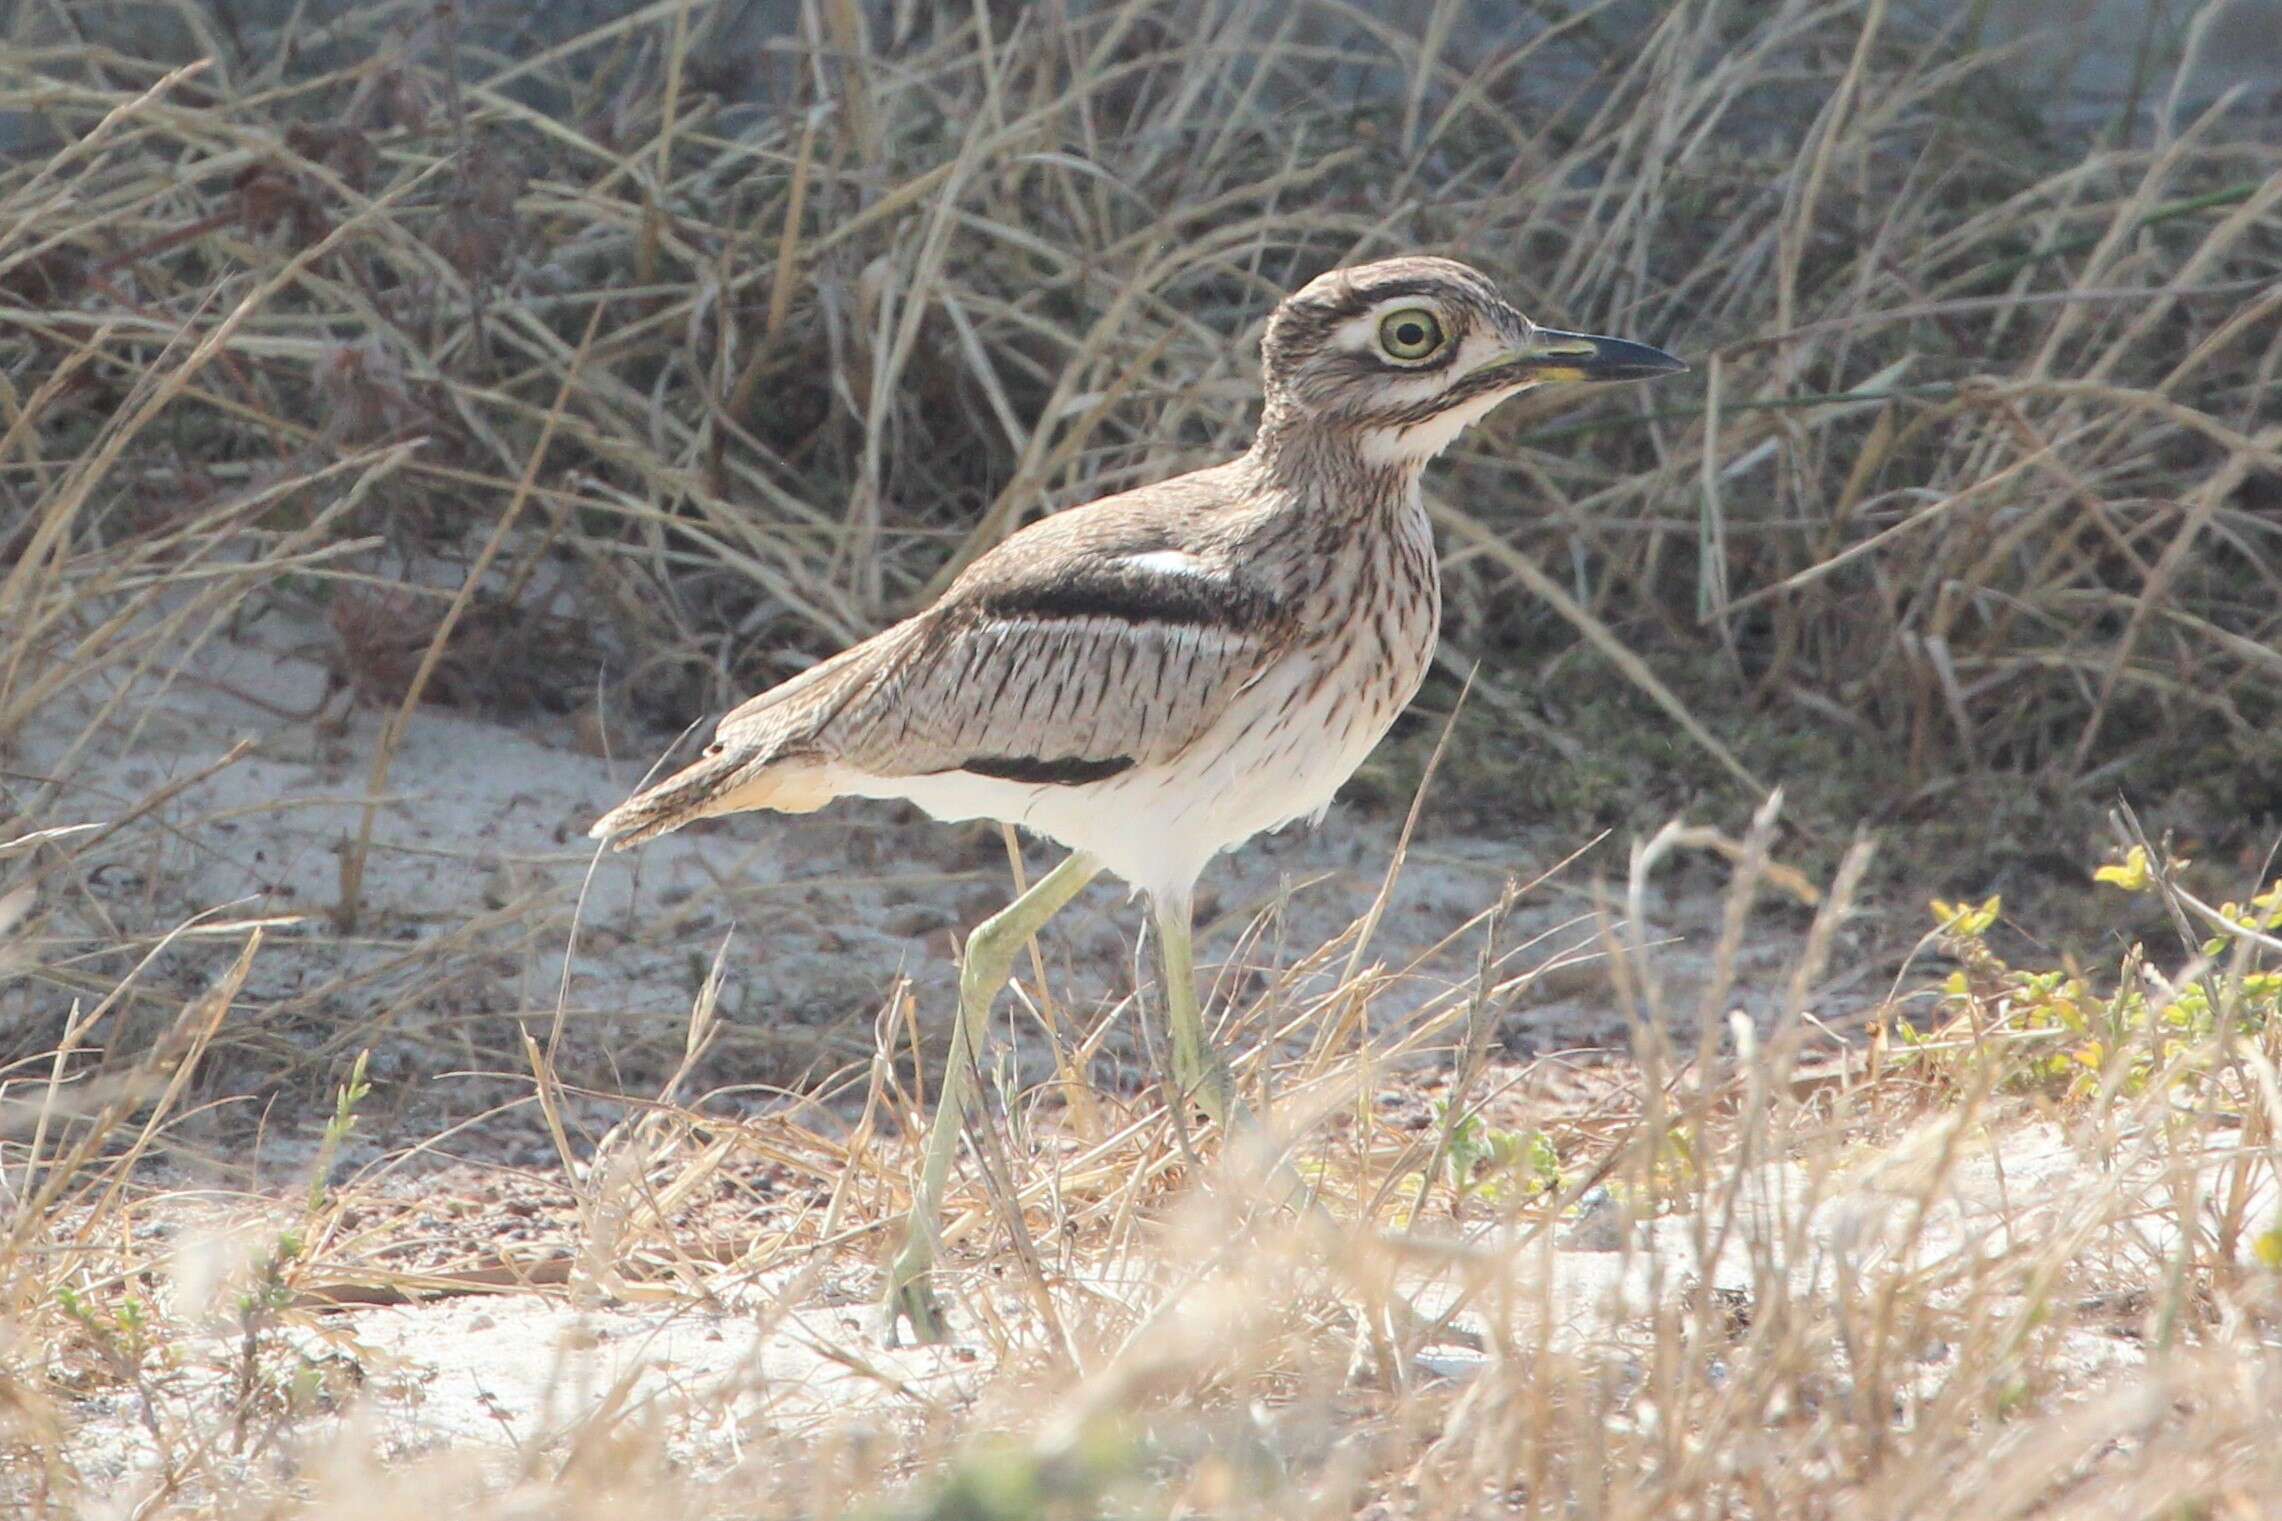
(1981, 470)
(612, 379)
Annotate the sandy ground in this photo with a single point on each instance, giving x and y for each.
(514, 1379)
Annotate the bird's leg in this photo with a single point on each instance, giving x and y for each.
(1203, 1074)
(982, 972)
(1199, 1070)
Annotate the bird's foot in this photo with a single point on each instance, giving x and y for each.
(910, 1297)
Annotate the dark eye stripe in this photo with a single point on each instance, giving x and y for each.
(1354, 300)
(1372, 362)
(1413, 413)
(1357, 300)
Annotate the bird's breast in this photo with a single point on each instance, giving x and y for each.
(1372, 619)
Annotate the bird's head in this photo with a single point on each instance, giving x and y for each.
(1401, 355)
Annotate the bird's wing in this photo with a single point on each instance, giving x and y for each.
(1096, 640)
(1059, 667)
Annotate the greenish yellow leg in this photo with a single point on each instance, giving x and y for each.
(983, 971)
(1203, 1074)
(1197, 1067)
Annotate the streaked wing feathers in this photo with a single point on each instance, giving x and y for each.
(1095, 640)
(1033, 694)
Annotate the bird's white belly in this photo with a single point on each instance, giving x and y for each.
(1279, 754)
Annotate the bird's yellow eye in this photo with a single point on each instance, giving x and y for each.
(1411, 334)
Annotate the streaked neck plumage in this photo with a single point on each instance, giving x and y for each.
(1361, 518)
(1328, 467)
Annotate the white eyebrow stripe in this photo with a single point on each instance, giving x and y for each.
(1167, 562)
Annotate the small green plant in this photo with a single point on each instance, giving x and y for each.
(2055, 1030)
(344, 1120)
(265, 1303)
(261, 1305)
(1668, 1177)
(120, 1334)
(1497, 1164)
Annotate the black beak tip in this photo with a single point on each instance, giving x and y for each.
(1594, 359)
(1620, 359)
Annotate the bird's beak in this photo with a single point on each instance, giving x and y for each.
(1549, 357)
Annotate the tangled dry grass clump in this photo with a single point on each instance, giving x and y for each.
(593, 380)
(1981, 474)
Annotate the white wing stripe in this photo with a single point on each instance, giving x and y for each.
(1168, 562)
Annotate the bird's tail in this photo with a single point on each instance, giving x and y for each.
(724, 781)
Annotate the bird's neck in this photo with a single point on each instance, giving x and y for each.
(1327, 472)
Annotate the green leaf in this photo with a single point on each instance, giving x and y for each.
(2131, 874)
(2266, 1246)
(1968, 921)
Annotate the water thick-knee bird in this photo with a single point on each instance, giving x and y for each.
(1155, 677)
